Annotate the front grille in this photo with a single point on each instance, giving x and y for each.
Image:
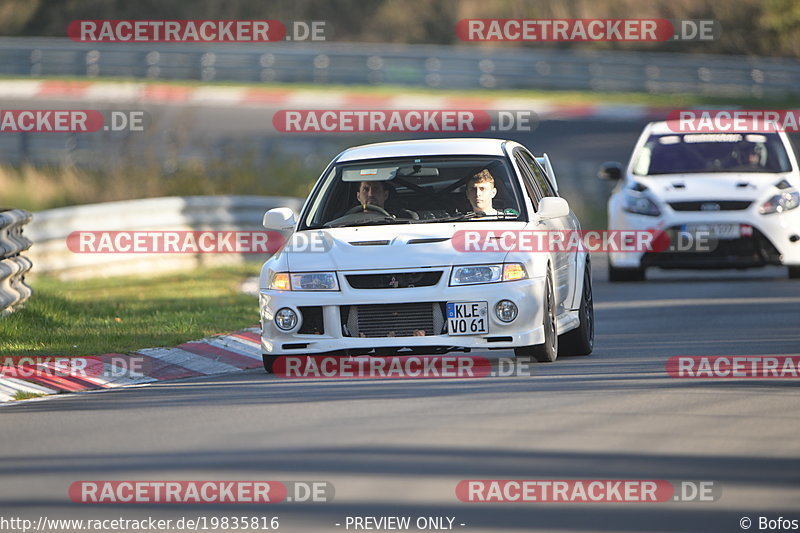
(725, 205)
(392, 320)
(397, 280)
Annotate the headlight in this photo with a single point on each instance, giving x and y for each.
(475, 274)
(640, 205)
(306, 281)
(315, 281)
(780, 203)
(468, 275)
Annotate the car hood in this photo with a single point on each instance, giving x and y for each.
(711, 186)
(389, 247)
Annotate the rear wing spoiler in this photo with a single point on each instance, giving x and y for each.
(548, 167)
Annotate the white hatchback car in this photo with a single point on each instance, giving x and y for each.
(370, 267)
(736, 191)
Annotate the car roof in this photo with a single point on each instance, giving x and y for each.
(661, 128)
(425, 147)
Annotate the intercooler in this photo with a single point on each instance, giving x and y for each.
(392, 320)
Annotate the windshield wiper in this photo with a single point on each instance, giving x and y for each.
(469, 216)
(373, 222)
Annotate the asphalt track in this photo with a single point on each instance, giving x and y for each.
(399, 448)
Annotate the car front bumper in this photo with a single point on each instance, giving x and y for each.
(323, 317)
(775, 240)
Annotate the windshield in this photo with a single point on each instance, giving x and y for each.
(711, 152)
(414, 191)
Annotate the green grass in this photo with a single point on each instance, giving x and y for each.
(24, 395)
(666, 100)
(124, 314)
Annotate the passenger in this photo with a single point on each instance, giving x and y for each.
(480, 193)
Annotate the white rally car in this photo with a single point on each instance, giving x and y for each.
(370, 267)
(728, 200)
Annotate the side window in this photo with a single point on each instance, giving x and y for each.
(528, 180)
(541, 179)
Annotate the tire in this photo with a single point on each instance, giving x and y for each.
(548, 351)
(625, 274)
(269, 360)
(794, 272)
(580, 341)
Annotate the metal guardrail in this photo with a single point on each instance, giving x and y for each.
(454, 67)
(13, 265)
(51, 228)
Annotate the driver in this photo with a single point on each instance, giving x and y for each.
(372, 192)
(377, 193)
(752, 157)
(480, 193)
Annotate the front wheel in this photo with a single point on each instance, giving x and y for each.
(548, 351)
(580, 341)
(794, 272)
(269, 361)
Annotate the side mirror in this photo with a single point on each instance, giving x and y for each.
(611, 171)
(552, 207)
(280, 219)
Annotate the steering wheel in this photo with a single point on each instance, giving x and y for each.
(368, 207)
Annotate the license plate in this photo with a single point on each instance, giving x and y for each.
(467, 318)
(714, 231)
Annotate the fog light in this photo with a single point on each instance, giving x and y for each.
(506, 310)
(285, 319)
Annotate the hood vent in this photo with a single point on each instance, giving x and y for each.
(428, 240)
(369, 243)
